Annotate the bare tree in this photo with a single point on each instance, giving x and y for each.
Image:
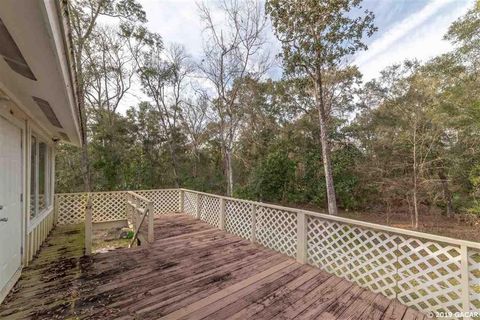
(195, 121)
(83, 16)
(110, 70)
(164, 76)
(232, 51)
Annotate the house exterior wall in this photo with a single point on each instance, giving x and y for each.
(28, 101)
(34, 229)
(38, 226)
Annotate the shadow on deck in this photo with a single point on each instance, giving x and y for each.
(191, 271)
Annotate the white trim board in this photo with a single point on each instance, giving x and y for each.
(10, 284)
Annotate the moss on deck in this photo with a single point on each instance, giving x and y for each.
(58, 264)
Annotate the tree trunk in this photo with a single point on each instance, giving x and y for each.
(195, 167)
(415, 204)
(85, 159)
(410, 211)
(173, 155)
(447, 195)
(196, 160)
(229, 171)
(85, 163)
(389, 208)
(327, 165)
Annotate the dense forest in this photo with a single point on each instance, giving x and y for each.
(404, 142)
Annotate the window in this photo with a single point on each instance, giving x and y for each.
(40, 188)
(42, 173)
(33, 178)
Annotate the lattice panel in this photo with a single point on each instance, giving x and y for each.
(111, 206)
(210, 210)
(357, 254)
(238, 218)
(422, 274)
(190, 203)
(277, 230)
(70, 207)
(108, 206)
(474, 277)
(42, 203)
(429, 275)
(164, 201)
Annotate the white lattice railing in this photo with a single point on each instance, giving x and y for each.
(428, 272)
(424, 271)
(111, 206)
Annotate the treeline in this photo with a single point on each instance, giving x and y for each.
(407, 141)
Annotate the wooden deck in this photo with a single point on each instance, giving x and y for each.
(192, 271)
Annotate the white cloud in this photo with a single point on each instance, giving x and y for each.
(418, 36)
(176, 21)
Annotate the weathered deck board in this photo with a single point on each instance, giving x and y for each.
(191, 271)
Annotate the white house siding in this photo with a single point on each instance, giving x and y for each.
(32, 230)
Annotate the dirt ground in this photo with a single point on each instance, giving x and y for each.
(109, 239)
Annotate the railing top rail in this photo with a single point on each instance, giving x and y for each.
(118, 191)
(136, 195)
(368, 225)
(71, 193)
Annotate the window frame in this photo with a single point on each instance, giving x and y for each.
(39, 214)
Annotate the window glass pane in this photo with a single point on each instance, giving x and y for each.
(42, 176)
(49, 176)
(33, 178)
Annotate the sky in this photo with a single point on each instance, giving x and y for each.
(407, 29)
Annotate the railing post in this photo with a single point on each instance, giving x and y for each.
(135, 211)
(131, 209)
(88, 226)
(222, 214)
(182, 200)
(55, 209)
(128, 208)
(253, 235)
(465, 285)
(301, 237)
(150, 236)
(199, 206)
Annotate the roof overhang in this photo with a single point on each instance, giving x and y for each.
(36, 71)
